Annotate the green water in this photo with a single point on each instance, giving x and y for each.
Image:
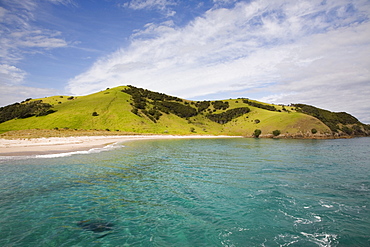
(201, 192)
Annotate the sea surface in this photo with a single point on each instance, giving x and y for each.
(191, 192)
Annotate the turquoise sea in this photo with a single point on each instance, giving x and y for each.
(191, 192)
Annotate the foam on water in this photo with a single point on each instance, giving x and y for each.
(321, 239)
(90, 151)
(59, 155)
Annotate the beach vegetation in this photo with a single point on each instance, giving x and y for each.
(257, 133)
(276, 132)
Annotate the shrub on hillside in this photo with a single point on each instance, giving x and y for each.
(259, 105)
(218, 105)
(148, 94)
(135, 111)
(176, 108)
(331, 119)
(276, 132)
(17, 110)
(257, 133)
(357, 130)
(228, 115)
(202, 105)
(347, 130)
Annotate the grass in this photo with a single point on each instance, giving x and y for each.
(114, 113)
(38, 133)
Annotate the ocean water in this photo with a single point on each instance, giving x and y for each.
(191, 192)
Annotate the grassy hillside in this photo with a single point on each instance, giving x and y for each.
(129, 109)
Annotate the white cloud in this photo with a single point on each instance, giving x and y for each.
(64, 2)
(164, 6)
(20, 36)
(19, 93)
(38, 38)
(149, 4)
(11, 75)
(219, 3)
(309, 52)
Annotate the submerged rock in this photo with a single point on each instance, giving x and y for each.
(95, 225)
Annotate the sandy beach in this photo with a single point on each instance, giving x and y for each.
(55, 145)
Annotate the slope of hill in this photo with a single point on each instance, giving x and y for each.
(128, 109)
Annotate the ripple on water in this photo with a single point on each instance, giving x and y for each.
(234, 192)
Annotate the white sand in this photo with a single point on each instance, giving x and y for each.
(53, 145)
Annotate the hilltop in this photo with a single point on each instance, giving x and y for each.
(128, 109)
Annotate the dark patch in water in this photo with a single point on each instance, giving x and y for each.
(96, 226)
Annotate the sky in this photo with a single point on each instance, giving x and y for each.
(314, 52)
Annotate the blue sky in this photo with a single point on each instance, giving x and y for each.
(281, 51)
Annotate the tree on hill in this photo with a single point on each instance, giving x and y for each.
(218, 105)
(259, 105)
(176, 108)
(202, 105)
(160, 102)
(144, 93)
(25, 110)
(331, 119)
(276, 132)
(257, 133)
(228, 115)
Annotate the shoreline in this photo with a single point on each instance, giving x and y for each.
(60, 145)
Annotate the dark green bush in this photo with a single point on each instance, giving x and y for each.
(149, 94)
(218, 105)
(135, 111)
(276, 132)
(202, 105)
(331, 119)
(257, 133)
(347, 130)
(25, 110)
(177, 108)
(258, 105)
(228, 115)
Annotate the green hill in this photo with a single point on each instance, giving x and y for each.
(128, 109)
